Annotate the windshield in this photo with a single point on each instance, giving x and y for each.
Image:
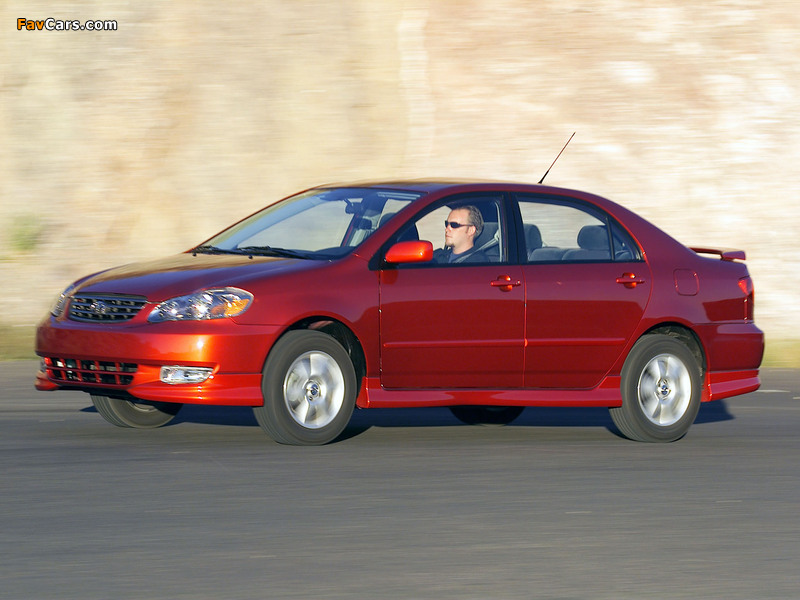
(318, 224)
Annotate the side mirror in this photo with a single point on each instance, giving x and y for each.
(410, 252)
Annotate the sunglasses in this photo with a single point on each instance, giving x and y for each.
(454, 225)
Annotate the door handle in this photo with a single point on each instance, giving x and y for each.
(505, 283)
(630, 280)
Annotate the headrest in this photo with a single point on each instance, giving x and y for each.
(487, 235)
(593, 237)
(533, 237)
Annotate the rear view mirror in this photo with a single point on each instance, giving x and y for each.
(410, 252)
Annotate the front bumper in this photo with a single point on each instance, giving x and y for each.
(126, 359)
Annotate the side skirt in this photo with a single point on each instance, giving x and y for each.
(372, 395)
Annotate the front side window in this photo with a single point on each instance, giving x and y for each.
(321, 223)
(464, 229)
(561, 231)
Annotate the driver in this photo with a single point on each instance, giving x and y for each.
(461, 227)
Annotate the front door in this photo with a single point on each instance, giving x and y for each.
(460, 324)
(452, 327)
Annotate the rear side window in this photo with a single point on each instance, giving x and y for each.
(556, 230)
(625, 250)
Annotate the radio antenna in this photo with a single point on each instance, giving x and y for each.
(559, 154)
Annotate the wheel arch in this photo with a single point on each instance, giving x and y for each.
(341, 333)
(685, 335)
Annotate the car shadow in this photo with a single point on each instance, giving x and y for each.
(231, 416)
(535, 416)
(363, 420)
(714, 412)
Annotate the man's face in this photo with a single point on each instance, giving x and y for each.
(459, 238)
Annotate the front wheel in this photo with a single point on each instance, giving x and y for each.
(486, 415)
(309, 388)
(661, 389)
(140, 415)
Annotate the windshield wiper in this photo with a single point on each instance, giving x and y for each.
(212, 250)
(270, 251)
(257, 251)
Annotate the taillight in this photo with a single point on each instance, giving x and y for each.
(746, 285)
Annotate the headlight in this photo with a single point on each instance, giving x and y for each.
(61, 302)
(206, 304)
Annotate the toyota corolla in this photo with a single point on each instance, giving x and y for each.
(482, 297)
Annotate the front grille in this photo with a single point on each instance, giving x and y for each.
(100, 372)
(104, 307)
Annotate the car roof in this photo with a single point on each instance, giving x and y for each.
(409, 185)
(445, 186)
(635, 224)
(456, 185)
(438, 184)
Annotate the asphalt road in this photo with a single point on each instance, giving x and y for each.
(410, 504)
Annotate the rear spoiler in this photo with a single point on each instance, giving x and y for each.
(723, 253)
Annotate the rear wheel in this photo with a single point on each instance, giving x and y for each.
(140, 415)
(661, 388)
(309, 389)
(486, 415)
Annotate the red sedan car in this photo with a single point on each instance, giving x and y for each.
(483, 297)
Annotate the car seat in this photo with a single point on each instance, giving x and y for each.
(592, 243)
(488, 242)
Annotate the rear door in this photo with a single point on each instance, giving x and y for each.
(586, 289)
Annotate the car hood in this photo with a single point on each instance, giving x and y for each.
(160, 279)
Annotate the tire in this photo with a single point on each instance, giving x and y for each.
(309, 388)
(486, 415)
(661, 389)
(139, 415)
